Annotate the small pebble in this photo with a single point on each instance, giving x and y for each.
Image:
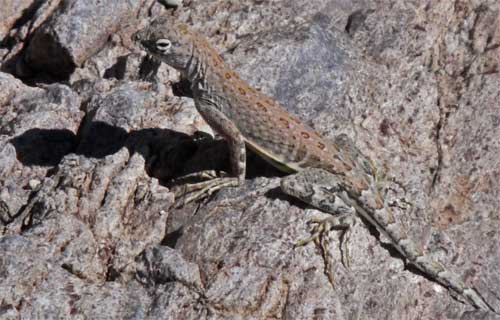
(173, 3)
(34, 184)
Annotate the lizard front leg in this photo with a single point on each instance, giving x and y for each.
(237, 155)
(310, 187)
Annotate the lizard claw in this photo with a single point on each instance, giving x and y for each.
(321, 236)
(197, 191)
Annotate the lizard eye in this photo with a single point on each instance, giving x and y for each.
(163, 45)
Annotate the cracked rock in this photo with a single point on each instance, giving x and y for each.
(94, 134)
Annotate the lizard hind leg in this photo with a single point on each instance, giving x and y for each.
(320, 189)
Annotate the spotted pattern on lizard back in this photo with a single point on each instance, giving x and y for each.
(268, 129)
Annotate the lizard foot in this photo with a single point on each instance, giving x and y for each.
(321, 236)
(197, 191)
(196, 176)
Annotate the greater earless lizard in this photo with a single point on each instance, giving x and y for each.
(333, 176)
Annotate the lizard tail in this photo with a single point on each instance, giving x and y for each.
(384, 221)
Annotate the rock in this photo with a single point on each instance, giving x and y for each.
(39, 285)
(34, 184)
(162, 264)
(38, 127)
(75, 32)
(11, 12)
(88, 226)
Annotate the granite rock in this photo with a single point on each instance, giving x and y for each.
(88, 225)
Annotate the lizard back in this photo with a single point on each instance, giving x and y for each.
(268, 128)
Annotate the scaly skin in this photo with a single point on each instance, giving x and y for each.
(333, 176)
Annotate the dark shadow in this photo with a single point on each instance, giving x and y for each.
(112, 274)
(278, 194)
(168, 154)
(117, 70)
(148, 68)
(356, 20)
(43, 147)
(5, 214)
(53, 61)
(182, 88)
(171, 238)
(100, 139)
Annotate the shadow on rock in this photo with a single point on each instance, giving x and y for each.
(44, 147)
(168, 154)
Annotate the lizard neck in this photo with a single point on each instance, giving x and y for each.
(195, 71)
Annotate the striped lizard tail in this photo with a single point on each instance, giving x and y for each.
(384, 221)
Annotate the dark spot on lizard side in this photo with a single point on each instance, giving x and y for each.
(285, 122)
(261, 106)
(214, 62)
(314, 159)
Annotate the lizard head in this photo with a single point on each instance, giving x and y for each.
(167, 41)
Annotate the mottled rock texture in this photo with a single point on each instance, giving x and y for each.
(12, 11)
(93, 135)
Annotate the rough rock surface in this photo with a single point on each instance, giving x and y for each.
(75, 31)
(11, 12)
(88, 226)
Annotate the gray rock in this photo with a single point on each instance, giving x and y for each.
(159, 265)
(38, 127)
(36, 286)
(76, 31)
(29, 17)
(10, 13)
(415, 85)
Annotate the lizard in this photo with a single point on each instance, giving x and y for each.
(331, 175)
